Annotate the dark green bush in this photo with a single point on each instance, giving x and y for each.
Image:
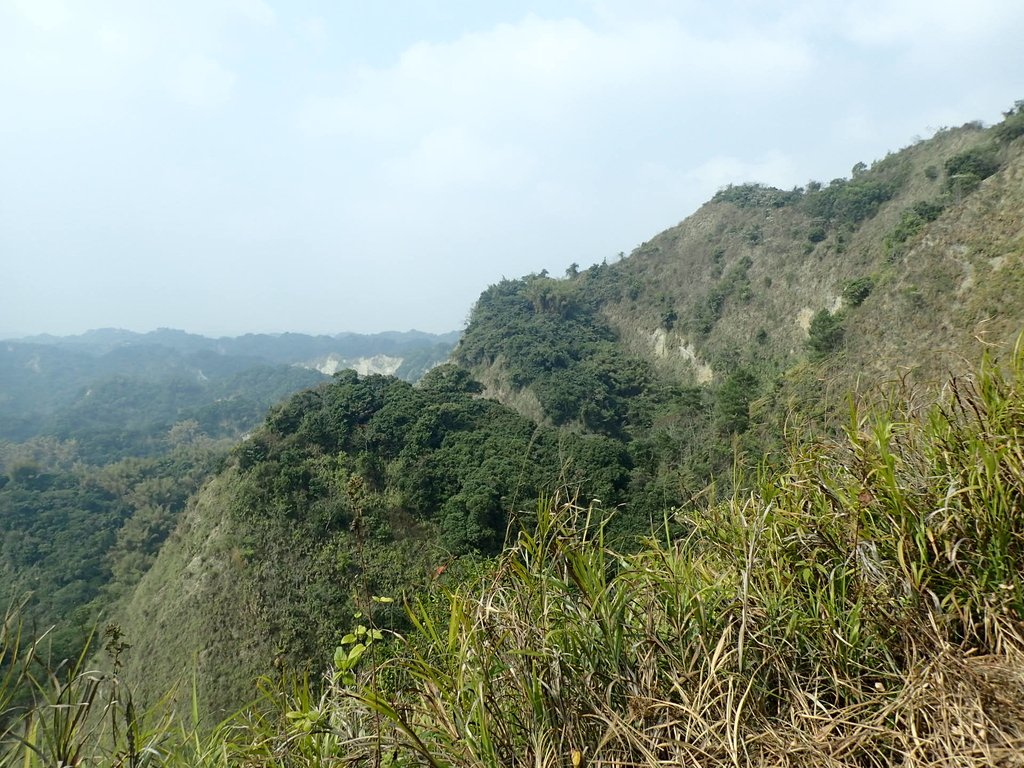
(855, 291)
(825, 334)
(851, 202)
(1012, 126)
(756, 196)
(912, 220)
(976, 163)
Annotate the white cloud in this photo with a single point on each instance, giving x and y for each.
(931, 29)
(313, 29)
(488, 109)
(200, 81)
(497, 144)
(533, 130)
(540, 69)
(449, 159)
(118, 50)
(255, 11)
(43, 14)
(855, 127)
(124, 40)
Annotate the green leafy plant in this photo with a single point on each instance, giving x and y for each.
(825, 334)
(861, 607)
(855, 291)
(353, 645)
(965, 171)
(1012, 126)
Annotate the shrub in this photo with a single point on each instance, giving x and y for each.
(825, 333)
(755, 196)
(855, 291)
(732, 406)
(851, 202)
(1012, 126)
(966, 170)
(912, 220)
(962, 184)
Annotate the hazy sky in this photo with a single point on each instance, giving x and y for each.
(226, 166)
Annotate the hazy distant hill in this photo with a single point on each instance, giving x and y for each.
(276, 347)
(104, 436)
(48, 383)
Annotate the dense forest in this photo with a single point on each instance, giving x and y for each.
(749, 495)
(105, 436)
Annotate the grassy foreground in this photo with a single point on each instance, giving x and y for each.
(863, 608)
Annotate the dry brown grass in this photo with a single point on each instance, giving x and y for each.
(861, 609)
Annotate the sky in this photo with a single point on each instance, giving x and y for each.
(319, 166)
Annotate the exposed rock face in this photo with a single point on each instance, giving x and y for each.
(667, 346)
(331, 364)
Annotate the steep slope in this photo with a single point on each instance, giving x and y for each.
(740, 280)
(637, 383)
(365, 487)
(768, 306)
(747, 273)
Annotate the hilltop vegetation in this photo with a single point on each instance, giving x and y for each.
(363, 486)
(771, 529)
(863, 606)
(105, 436)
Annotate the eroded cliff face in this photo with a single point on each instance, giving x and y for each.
(753, 276)
(188, 620)
(904, 265)
(386, 365)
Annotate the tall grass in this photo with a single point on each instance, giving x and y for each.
(68, 713)
(862, 608)
(865, 607)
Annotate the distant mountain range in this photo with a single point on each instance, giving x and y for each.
(104, 436)
(44, 378)
(273, 347)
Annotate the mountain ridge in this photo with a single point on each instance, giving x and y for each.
(741, 279)
(671, 374)
(275, 347)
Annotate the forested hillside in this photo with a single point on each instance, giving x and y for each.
(660, 381)
(364, 486)
(767, 307)
(748, 495)
(104, 437)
